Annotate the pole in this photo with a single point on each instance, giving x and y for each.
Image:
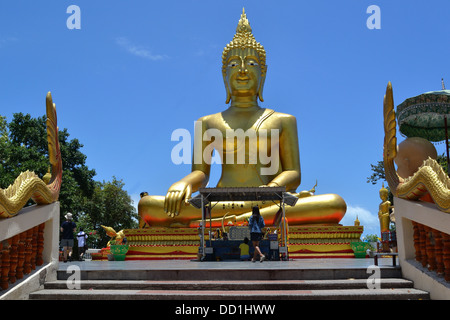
(446, 143)
(284, 228)
(210, 224)
(202, 242)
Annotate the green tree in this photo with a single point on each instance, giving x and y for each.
(110, 206)
(24, 147)
(4, 151)
(377, 173)
(18, 155)
(93, 235)
(442, 160)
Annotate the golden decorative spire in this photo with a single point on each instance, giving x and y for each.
(443, 85)
(243, 25)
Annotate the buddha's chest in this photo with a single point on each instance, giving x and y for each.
(245, 144)
(384, 207)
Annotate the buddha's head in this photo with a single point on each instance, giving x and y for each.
(411, 153)
(384, 193)
(244, 63)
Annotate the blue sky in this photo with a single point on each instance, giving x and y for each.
(138, 70)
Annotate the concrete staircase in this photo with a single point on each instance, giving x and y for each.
(227, 284)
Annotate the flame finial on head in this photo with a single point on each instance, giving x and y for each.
(243, 25)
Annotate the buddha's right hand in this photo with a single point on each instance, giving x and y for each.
(177, 192)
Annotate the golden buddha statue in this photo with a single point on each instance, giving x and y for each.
(244, 72)
(383, 210)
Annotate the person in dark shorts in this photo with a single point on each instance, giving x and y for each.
(67, 228)
(256, 224)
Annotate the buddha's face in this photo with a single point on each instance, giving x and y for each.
(243, 76)
(384, 194)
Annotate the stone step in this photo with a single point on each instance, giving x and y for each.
(183, 280)
(334, 294)
(388, 283)
(231, 274)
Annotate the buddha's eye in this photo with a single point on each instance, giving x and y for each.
(252, 63)
(233, 64)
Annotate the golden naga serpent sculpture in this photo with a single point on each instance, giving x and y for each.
(28, 184)
(429, 178)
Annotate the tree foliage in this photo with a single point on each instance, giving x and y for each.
(111, 206)
(23, 146)
(377, 173)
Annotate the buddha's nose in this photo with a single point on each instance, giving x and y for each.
(243, 68)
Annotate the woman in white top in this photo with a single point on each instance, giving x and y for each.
(82, 245)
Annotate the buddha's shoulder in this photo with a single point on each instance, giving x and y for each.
(283, 116)
(211, 119)
(210, 116)
(267, 113)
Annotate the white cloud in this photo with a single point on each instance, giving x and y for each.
(138, 50)
(6, 40)
(207, 50)
(366, 218)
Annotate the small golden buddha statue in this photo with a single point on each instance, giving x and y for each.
(357, 223)
(244, 71)
(384, 208)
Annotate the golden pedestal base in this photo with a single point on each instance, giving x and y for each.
(322, 241)
(160, 243)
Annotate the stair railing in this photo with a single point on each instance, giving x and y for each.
(28, 240)
(423, 239)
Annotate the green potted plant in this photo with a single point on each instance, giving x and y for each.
(118, 251)
(117, 244)
(360, 248)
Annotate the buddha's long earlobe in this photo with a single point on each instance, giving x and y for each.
(227, 90)
(261, 87)
(227, 101)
